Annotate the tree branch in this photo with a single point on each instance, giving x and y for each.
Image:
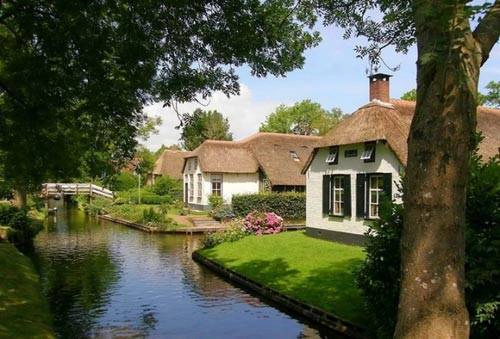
(488, 30)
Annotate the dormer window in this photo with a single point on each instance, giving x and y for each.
(369, 152)
(294, 156)
(333, 156)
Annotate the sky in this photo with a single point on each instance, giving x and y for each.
(331, 76)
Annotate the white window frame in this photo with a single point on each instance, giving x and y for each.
(378, 190)
(200, 187)
(191, 187)
(294, 155)
(332, 156)
(367, 152)
(216, 179)
(338, 186)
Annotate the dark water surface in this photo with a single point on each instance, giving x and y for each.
(106, 280)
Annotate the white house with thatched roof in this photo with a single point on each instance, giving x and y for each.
(363, 157)
(263, 161)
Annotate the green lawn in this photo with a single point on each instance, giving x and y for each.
(317, 272)
(24, 313)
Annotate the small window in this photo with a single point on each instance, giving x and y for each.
(369, 152)
(338, 196)
(217, 184)
(333, 157)
(294, 156)
(350, 153)
(195, 163)
(375, 189)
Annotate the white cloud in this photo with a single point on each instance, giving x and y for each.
(244, 113)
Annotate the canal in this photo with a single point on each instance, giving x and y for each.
(106, 280)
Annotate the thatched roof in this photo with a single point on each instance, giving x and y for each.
(170, 163)
(273, 153)
(391, 122)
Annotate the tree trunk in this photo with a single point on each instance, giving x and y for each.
(432, 300)
(21, 198)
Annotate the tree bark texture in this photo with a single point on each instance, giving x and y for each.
(432, 300)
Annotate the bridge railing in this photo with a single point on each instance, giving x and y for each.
(50, 189)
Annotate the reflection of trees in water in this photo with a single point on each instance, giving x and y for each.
(77, 271)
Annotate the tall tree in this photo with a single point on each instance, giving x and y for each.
(75, 75)
(203, 125)
(410, 95)
(450, 56)
(304, 117)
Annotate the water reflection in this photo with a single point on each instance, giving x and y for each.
(106, 280)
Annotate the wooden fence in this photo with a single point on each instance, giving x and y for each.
(52, 189)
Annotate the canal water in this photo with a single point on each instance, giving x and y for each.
(106, 280)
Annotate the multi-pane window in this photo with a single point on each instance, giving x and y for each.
(369, 152)
(191, 187)
(338, 195)
(376, 187)
(195, 163)
(217, 184)
(333, 156)
(200, 187)
(294, 156)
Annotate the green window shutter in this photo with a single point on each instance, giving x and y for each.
(347, 195)
(388, 185)
(360, 195)
(326, 194)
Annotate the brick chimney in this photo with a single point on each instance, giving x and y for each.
(379, 87)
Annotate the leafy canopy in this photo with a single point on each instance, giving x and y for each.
(203, 125)
(75, 75)
(304, 117)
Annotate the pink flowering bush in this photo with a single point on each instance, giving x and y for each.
(263, 223)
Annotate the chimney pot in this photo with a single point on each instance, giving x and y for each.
(379, 87)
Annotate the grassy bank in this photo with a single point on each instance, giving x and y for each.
(24, 313)
(314, 271)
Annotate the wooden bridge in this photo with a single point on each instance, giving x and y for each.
(61, 189)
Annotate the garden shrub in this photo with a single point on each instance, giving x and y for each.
(165, 185)
(149, 215)
(22, 228)
(215, 201)
(289, 205)
(234, 232)
(263, 223)
(125, 181)
(379, 277)
(222, 213)
(147, 197)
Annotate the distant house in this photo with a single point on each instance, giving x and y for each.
(170, 164)
(364, 157)
(263, 161)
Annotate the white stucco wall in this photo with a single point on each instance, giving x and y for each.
(385, 162)
(232, 183)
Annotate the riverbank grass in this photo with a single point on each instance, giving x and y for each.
(314, 271)
(24, 313)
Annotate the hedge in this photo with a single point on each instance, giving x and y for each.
(288, 205)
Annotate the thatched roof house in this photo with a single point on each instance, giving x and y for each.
(261, 161)
(363, 157)
(170, 164)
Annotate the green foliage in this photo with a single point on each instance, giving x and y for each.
(492, 97)
(215, 201)
(379, 277)
(125, 181)
(150, 215)
(304, 117)
(411, 95)
(203, 125)
(165, 185)
(75, 77)
(234, 232)
(146, 197)
(23, 229)
(289, 205)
